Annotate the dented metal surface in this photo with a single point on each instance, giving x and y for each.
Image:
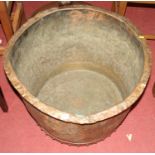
(79, 69)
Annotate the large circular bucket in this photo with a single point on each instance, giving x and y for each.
(79, 69)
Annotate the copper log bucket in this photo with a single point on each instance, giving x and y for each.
(79, 69)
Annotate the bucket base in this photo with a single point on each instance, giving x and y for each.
(81, 91)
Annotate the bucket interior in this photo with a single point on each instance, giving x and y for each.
(78, 61)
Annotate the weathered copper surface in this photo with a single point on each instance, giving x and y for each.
(79, 70)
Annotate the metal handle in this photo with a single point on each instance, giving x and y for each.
(148, 37)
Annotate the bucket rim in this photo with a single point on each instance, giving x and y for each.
(75, 118)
